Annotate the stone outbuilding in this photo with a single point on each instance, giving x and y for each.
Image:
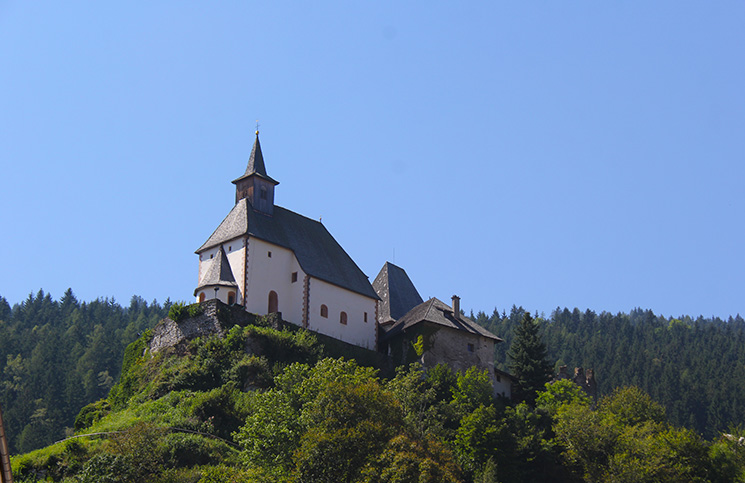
(431, 331)
(444, 336)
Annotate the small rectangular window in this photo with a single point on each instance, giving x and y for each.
(499, 378)
(294, 277)
(269, 254)
(470, 347)
(365, 316)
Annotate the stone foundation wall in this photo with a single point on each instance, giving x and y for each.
(216, 319)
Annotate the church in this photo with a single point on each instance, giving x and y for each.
(270, 259)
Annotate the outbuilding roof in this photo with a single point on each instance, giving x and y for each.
(318, 253)
(396, 291)
(437, 312)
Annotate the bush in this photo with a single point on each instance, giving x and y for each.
(91, 413)
(180, 311)
(107, 468)
(251, 372)
(184, 450)
(195, 310)
(177, 311)
(219, 408)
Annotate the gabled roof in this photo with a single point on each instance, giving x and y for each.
(219, 273)
(437, 312)
(396, 291)
(319, 255)
(256, 164)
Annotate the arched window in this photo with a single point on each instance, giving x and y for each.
(273, 302)
(324, 312)
(231, 298)
(201, 297)
(343, 318)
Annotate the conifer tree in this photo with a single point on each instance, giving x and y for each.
(528, 360)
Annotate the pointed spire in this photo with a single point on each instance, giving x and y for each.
(219, 272)
(256, 163)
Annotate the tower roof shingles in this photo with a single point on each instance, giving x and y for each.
(396, 291)
(256, 165)
(218, 273)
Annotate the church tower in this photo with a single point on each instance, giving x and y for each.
(255, 185)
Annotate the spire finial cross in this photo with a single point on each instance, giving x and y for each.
(257, 127)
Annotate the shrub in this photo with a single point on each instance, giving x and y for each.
(107, 468)
(195, 310)
(177, 311)
(251, 371)
(184, 450)
(91, 413)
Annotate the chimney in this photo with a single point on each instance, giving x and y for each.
(456, 306)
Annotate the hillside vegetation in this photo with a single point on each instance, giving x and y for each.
(267, 405)
(58, 356)
(287, 405)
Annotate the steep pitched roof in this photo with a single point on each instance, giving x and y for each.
(256, 164)
(396, 291)
(219, 272)
(437, 312)
(319, 255)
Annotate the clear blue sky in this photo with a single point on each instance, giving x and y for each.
(543, 154)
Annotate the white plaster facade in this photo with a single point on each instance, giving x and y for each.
(360, 328)
(272, 268)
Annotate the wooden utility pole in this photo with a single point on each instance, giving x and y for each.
(6, 475)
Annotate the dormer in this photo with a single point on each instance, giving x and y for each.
(255, 185)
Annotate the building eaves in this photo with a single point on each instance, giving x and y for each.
(437, 312)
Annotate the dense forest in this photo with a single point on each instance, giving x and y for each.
(266, 405)
(58, 356)
(269, 417)
(694, 367)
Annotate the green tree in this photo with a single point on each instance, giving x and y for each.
(347, 425)
(559, 393)
(407, 460)
(528, 360)
(271, 433)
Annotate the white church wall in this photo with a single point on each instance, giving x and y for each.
(234, 250)
(210, 293)
(337, 300)
(205, 261)
(273, 272)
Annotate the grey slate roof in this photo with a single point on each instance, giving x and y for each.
(396, 291)
(319, 255)
(219, 272)
(256, 164)
(437, 312)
